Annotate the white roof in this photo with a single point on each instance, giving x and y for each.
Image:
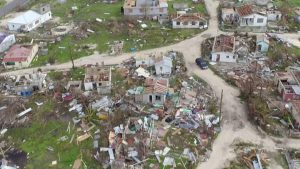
(26, 18)
(142, 72)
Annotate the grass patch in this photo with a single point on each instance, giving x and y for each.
(113, 28)
(198, 7)
(43, 132)
(199, 79)
(39, 136)
(77, 74)
(2, 3)
(279, 52)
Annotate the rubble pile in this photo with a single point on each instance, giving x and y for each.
(163, 118)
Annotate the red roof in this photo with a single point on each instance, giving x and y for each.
(17, 53)
(156, 85)
(245, 10)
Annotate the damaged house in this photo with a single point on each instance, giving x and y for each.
(145, 8)
(153, 92)
(229, 15)
(223, 49)
(288, 85)
(163, 66)
(262, 43)
(20, 56)
(247, 17)
(98, 78)
(188, 20)
(28, 83)
(31, 19)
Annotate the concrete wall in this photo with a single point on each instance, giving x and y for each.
(88, 86)
(151, 11)
(224, 57)
(254, 17)
(274, 16)
(46, 17)
(146, 98)
(189, 25)
(166, 70)
(15, 26)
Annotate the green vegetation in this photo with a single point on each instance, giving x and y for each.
(287, 8)
(281, 52)
(294, 3)
(196, 7)
(55, 75)
(2, 3)
(281, 160)
(44, 133)
(113, 28)
(77, 74)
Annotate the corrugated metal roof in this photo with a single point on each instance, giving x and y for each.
(26, 18)
(17, 53)
(156, 85)
(245, 10)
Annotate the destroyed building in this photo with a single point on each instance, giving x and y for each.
(98, 78)
(153, 92)
(145, 8)
(245, 16)
(223, 49)
(28, 83)
(262, 43)
(74, 85)
(288, 85)
(188, 20)
(31, 19)
(163, 66)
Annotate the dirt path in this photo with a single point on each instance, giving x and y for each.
(235, 124)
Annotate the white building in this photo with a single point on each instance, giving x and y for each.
(247, 17)
(223, 49)
(6, 41)
(163, 66)
(30, 19)
(188, 20)
(274, 15)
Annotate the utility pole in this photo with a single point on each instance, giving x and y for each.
(221, 106)
(71, 56)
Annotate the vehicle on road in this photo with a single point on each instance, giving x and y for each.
(201, 63)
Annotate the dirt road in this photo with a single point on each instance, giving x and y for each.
(235, 124)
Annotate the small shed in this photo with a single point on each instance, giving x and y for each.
(262, 43)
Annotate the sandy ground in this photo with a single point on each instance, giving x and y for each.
(235, 125)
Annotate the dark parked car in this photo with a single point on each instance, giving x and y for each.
(201, 63)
